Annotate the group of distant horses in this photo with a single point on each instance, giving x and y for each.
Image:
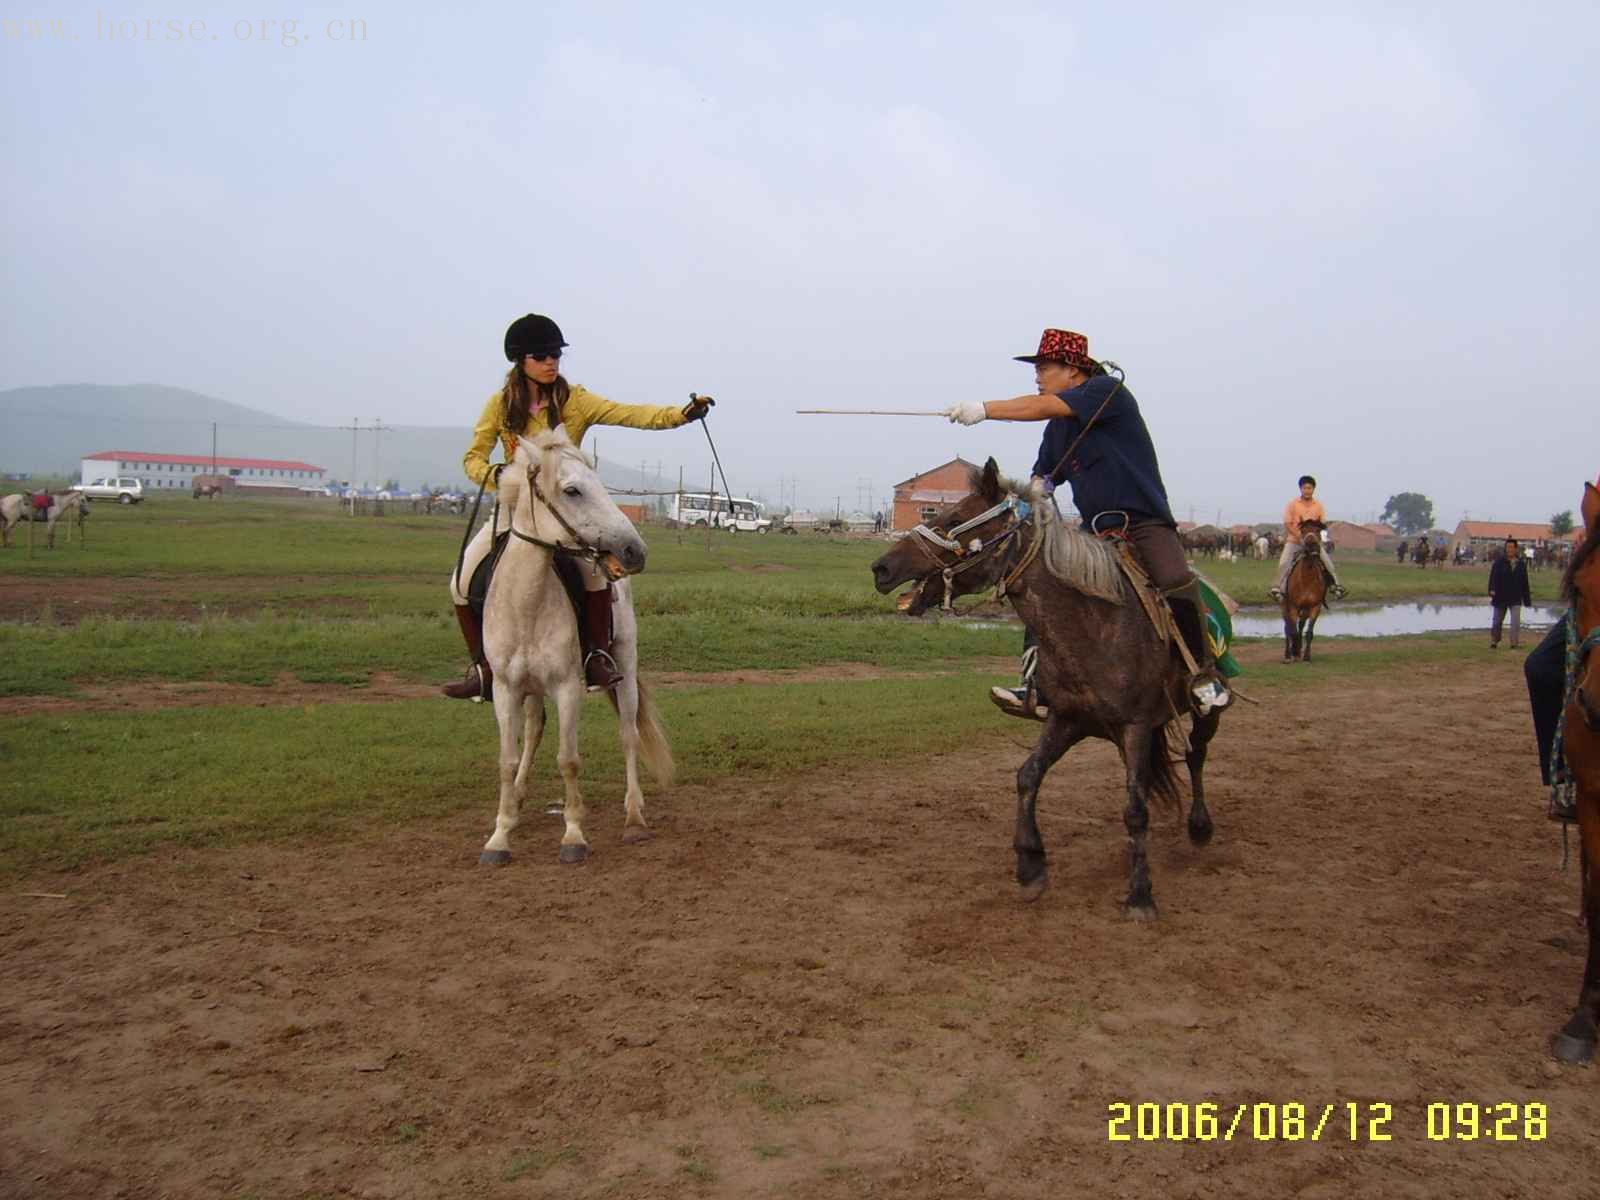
(1422, 552)
(1209, 541)
(45, 507)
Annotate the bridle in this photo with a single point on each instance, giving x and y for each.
(931, 542)
(582, 550)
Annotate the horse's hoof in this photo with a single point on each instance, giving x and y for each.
(574, 854)
(1200, 834)
(1140, 912)
(634, 834)
(1035, 888)
(1578, 1052)
(494, 858)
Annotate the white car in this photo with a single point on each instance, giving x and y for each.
(121, 488)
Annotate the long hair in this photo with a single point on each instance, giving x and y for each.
(520, 393)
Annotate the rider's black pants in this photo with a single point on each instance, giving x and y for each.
(1546, 670)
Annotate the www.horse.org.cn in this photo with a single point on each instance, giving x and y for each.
(285, 31)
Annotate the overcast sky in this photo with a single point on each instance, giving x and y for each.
(1360, 244)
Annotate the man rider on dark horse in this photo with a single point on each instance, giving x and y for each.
(1096, 441)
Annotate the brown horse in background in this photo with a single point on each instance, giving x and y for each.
(1306, 593)
(1580, 731)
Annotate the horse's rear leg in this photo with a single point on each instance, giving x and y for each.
(569, 703)
(1205, 728)
(634, 828)
(507, 714)
(1058, 737)
(532, 734)
(1311, 633)
(1135, 745)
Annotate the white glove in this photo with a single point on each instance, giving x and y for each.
(967, 412)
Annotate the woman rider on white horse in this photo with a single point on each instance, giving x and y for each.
(535, 398)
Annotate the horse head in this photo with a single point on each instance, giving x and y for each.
(937, 554)
(1311, 535)
(552, 488)
(1581, 586)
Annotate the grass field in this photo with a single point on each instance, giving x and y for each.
(260, 592)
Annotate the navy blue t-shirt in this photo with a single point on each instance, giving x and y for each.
(1114, 468)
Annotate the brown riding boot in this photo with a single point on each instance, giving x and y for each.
(599, 668)
(479, 681)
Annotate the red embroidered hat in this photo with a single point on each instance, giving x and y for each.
(1062, 345)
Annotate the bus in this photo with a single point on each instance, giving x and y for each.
(718, 511)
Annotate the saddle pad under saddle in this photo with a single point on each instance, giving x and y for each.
(1219, 623)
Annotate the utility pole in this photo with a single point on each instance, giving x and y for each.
(354, 427)
(213, 452)
(377, 461)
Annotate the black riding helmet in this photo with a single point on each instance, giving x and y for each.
(532, 334)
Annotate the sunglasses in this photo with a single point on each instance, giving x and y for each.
(546, 356)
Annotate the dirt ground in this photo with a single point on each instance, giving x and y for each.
(826, 986)
(70, 599)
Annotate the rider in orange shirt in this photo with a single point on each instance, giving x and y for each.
(1304, 507)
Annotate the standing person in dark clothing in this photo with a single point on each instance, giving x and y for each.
(1508, 589)
(1097, 441)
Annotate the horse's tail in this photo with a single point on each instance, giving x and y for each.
(1164, 785)
(653, 744)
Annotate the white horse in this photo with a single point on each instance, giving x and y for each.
(19, 506)
(11, 509)
(530, 637)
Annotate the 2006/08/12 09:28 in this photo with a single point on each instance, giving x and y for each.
(1294, 1122)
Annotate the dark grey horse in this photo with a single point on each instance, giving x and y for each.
(1103, 669)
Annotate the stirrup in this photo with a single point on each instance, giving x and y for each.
(474, 678)
(1014, 703)
(1210, 694)
(604, 664)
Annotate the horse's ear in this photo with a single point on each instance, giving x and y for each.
(1591, 507)
(989, 482)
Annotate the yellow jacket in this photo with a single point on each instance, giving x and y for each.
(583, 409)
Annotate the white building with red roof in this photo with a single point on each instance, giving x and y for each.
(160, 470)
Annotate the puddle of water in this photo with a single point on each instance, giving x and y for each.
(1428, 615)
(1390, 620)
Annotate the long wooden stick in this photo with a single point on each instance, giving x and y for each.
(870, 412)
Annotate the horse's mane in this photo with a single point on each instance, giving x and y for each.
(1080, 560)
(1569, 578)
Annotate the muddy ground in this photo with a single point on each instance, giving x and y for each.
(68, 600)
(826, 986)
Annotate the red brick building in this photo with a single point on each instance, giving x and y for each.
(1347, 535)
(920, 497)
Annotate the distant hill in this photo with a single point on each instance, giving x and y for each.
(48, 430)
